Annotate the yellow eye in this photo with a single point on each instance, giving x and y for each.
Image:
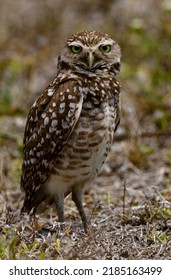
(105, 48)
(76, 49)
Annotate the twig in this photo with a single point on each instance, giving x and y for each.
(146, 134)
(105, 219)
(163, 201)
(124, 196)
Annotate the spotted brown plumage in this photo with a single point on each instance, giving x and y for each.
(69, 130)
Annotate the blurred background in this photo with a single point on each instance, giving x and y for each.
(31, 34)
(135, 183)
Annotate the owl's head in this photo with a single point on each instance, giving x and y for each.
(91, 52)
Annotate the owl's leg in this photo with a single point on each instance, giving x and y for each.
(59, 202)
(77, 198)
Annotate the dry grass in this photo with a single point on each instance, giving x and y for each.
(127, 210)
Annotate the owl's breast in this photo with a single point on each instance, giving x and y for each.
(87, 148)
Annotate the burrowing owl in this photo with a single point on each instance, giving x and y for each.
(69, 130)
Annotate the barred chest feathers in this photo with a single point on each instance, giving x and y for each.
(87, 148)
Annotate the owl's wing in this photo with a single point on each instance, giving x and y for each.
(49, 125)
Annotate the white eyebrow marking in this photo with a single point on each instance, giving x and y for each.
(76, 43)
(88, 48)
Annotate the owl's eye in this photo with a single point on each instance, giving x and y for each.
(76, 49)
(105, 48)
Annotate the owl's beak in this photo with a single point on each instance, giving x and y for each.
(90, 59)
